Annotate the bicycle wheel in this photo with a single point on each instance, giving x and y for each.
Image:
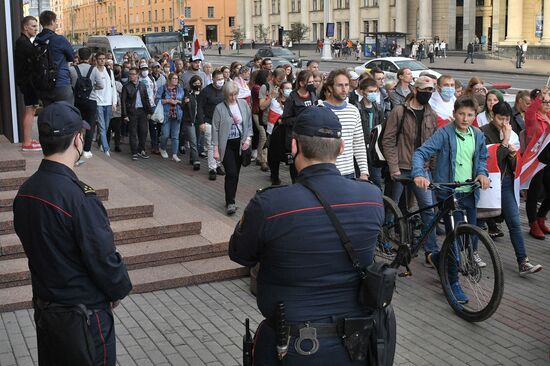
(393, 232)
(471, 273)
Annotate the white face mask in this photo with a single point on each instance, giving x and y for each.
(219, 83)
(145, 73)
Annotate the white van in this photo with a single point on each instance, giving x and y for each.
(118, 46)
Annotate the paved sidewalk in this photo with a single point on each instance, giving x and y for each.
(454, 62)
(202, 325)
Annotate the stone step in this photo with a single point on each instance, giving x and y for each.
(12, 164)
(125, 232)
(115, 214)
(6, 198)
(147, 279)
(11, 183)
(15, 272)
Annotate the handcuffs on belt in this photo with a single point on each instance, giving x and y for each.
(307, 333)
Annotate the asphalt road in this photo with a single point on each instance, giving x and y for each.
(518, 81)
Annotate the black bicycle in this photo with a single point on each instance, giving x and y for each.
(468, 264)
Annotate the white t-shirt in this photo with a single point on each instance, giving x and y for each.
(237, 123)
(107, 95)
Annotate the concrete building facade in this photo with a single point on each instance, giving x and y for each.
(212, 19)
(493, 23)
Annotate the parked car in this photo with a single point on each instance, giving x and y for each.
(390, 66)
(280, 52)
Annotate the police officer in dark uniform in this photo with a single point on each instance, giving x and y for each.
(77, 275)
(303, 264)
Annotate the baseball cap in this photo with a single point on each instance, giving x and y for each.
(156, 64)
(62, 118)
(353, 75)
(194, 58)
(318, 121)
(143, 65)
(423, 82)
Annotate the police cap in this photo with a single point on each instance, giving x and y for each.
(318, 121)
(62, 119)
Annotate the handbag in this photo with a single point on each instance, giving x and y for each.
(246, 155)
(377, 279)
(158, 114)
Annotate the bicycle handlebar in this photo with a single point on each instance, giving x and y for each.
(440, 186)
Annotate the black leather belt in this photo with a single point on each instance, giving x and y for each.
(322, 329)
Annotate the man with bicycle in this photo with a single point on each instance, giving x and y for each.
(461, 155)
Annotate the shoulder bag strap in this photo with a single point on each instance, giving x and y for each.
(90, 71)
(346, 242)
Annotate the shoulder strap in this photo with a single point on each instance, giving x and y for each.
(77, 69)
(90, 71)
(400, 125)
(346, 242)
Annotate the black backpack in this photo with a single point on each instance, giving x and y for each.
(44, 69)
(83, 86)
(375, 149)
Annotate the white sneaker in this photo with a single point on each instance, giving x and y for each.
(87, 154)
(163, 153)
(108, 153)
(175, 158)
(480, 263)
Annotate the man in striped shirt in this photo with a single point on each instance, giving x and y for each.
(335, 91)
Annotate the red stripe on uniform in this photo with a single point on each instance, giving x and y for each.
(320, 207)
(46, 202)
(102, 340)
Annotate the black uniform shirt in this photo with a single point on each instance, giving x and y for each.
(302, 261)
(24, 51)
(67, 238)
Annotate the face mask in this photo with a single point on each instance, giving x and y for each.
(145, 73)
(423, 97)
(196, 87)
(219, 83)
(287, 92)
(447, 92)
(372, 97)
(310, 88)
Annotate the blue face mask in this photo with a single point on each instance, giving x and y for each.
(287, 92)
(447, 92)
(372, 97)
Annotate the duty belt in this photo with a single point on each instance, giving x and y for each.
(308, 331)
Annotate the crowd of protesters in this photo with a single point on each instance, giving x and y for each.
(234, 113)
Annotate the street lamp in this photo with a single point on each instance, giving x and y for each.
(327, 54)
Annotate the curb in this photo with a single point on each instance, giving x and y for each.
(434, 68)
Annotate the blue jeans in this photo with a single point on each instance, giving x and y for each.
(510, 211)
(170, 129)
(104, 113)
(375, 175)
(424, 199)
(193, 133)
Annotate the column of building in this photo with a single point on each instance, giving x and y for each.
(424, 19)
(265, 16)
(515, 22)
(354, 24)
(304, 16)
(546, 24)
(401, 16)
(469, 22)
(248, 26)
(384, 18)
(485, 30)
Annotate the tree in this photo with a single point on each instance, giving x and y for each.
(297, 33)
(263, 32)
(238, 36)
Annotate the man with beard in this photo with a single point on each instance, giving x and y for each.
(194, 69)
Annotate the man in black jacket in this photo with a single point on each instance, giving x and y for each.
(470, 53)
(136, 111)
(209, 98)
(24, 52)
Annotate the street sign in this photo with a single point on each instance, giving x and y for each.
(182, 22)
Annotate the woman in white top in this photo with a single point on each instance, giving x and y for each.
(492, 98)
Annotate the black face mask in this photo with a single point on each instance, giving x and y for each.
(310, 88)
(197, 87)
(423, 97)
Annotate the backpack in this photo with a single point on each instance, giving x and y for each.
(375, 149)
(44, 70)
(83, 86)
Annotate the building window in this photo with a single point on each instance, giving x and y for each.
(162, 15)
(321, 5)
(163, 29)
(338, 4)
(171, 13)
(156, 16)
(393, 24)
(375, 26)
(375, 3)
(149, 29)
(339, 30)
(150, 18)
(346, 4)
(459, 2)
(274, 7)
(293, 6)
(314, 28)
(299, 5)
(314, 5)
(142, 30)
(143, 16)
(211, 12)
(480, 2)
(366, 27)
(170, 28)
(346, 29)
(257, 7)
(187, 12)
(156, 29)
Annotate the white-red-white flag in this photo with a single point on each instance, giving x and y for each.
(275, 112)
(196, 51)
(530, 162)
(491, 198)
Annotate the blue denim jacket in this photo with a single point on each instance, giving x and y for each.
(443, 145)
(179, 96)
(62, 53)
